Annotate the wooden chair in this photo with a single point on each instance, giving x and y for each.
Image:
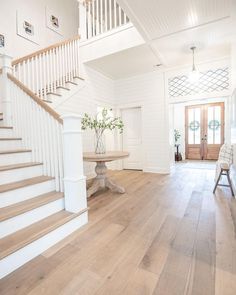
(224, 171)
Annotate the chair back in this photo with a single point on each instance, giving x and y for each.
(226, 154)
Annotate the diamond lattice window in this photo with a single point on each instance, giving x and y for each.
(209, 81)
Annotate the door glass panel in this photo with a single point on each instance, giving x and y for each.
(214, 125)
(217, 125)
(194, 130)
(210, 133)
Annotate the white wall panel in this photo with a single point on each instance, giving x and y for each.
(16, 46)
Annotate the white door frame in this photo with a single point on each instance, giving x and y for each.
(121, 137)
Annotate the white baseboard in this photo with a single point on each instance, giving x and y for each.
(157, 170)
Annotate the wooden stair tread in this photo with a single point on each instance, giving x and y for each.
(72, 82)
(21, 165)
(14, 151)
(26, 182)
(62, 87)
(46, 100)
(10, 138)
(25, 206)
(53, 93)
(21, 238)
(6, 127)
(78, 77)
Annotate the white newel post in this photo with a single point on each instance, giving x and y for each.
(5, 96)
(74, 179)
(82, 20)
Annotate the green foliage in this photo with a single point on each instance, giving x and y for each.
(100, 125)
(177, 135)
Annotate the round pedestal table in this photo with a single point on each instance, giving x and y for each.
(101, 180)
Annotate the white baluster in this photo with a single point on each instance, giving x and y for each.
(120, 19)
(97, 18)
(82, 20)
(105, 16)
(110, 14)
(93, 14)
(6, 103)
(101, 17)
(115, 14)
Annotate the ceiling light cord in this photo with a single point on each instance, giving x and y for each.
(193, 51)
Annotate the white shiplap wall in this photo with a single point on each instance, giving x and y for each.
(148, 91)
(97, 90)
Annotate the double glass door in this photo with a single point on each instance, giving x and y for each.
(204, 131)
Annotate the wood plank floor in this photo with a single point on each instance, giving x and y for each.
(168, 235)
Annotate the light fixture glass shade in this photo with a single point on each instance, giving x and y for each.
(194, 76)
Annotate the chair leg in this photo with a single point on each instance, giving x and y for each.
(230, 183)
(218, 179)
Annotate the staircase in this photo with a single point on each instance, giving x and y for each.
(42, 188)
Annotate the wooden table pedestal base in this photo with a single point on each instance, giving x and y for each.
(101, 181)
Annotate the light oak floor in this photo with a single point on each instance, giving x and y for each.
(168, 235)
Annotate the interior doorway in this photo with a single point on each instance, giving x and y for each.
(204, 131)
(132, 138)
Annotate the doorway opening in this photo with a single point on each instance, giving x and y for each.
(132, 138)
(204, 131)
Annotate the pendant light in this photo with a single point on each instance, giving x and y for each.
(194, 74)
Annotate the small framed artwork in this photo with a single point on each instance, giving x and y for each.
(29, 29)
(2, 41)
(26, 27)
(53, 21)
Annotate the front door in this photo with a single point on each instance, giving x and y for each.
(204, 131)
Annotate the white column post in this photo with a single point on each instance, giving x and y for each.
(5, 64)
(82, 20)
(74, 179)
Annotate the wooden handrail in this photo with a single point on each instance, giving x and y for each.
(39, 101)
(41, 51)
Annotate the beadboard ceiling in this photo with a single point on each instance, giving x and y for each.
(158, 18)
(169, 29)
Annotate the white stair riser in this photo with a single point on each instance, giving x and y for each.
(22, 256)
(51, 97)
(26, 193)
(16, 158)
(71, 86)
(6, 132)
(16, 223)
(10, 144)
(13, 175)
(79, 82)
(63, 92)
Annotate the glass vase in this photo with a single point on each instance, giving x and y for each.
(100, 147)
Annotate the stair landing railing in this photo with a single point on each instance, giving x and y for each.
(48, 69)
(100, 16)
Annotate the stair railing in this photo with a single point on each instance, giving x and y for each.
(48, 69)
(100, 16)
(53, 140)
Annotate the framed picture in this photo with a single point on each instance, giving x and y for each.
(53, 21)
(29, 29)
(2, 40)
(26, 28)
